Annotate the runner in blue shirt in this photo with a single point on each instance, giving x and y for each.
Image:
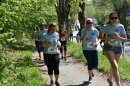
(51, 44)
(37, 40)
(115, 35)
(90, 42)
(43, 30)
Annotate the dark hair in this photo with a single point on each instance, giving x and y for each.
(61, 26)
(53, 24)
(36, 27)
(41, 25)
(110, 16)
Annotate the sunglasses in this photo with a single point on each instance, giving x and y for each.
(112, 18)
(89, 22)
(53, 29)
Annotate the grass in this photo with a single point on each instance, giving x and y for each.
(75, 49)
(20, 69)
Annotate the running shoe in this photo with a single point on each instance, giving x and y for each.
(110, 82)
(62, 58)
(51, 83)
(90, 80)
(57, 84)
(65, 58)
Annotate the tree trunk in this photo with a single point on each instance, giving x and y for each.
(81, 16)
(60, 12)
(63, 10)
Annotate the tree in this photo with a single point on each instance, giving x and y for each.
(81, 15)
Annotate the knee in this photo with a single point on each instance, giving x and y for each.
(90, 67)
(50, 72)
(61, 49)
(56, 72)
(95, 65)
(65, 48)
(114, 66)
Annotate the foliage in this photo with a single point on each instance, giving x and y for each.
(20, 70)
(103, 8)
(18, 18)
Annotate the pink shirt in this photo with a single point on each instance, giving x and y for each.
(62, 34)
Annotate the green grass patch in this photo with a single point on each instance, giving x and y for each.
(75, 49)
(20, 70)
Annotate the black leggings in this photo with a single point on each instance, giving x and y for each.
(52, 62)
(63, 44)
(92, 58)
(65, 48)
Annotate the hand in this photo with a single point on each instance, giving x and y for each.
(95, 44)
(115, 34)
(50, 42)
(59, 44)
(108, 39)
(39, 37)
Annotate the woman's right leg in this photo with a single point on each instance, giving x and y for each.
(38, 48)
(89, 61)
(65, 51)
(114, 66)
(61, 52)
(56, 61)
(48, 61)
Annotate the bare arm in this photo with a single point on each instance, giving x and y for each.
(84, 38)
(123, 38)
(101, 37)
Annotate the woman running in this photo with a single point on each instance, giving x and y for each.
(115, 35)
(37, 38)
(90, 42)
(51, 54)
(63, 40)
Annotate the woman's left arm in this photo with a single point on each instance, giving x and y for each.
(58, 44)
(123, 38)
(98, 40)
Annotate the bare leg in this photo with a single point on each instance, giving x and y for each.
(65, 53)
(117, 57)
(62, 52)
(114, 66)
(39, 56)
(90, 73)
(51, 77)
(56, 78)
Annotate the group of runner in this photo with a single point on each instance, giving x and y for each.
(114, 36)
(52, 41)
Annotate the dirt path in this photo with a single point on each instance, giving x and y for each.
(73, 73)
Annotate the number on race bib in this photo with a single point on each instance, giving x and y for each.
(90, 45)
(63, 39)
(113, 42)
(52, 50)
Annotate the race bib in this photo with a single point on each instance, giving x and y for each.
(90, 45)
(52, 49)
(63, 39)
(113, 42)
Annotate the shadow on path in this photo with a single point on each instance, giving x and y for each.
(85, 83)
